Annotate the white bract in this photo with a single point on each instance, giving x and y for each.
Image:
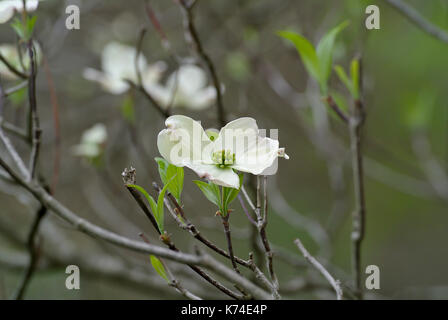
(9, 7)
(186, 87)
(238, 146)
(118, 65)
(92, 142)
(11, 54)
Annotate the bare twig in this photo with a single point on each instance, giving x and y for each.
(15, 88)
(14, 155)
(173, 282)
(193, 36)
(12, 68)
(35, 126)
(340, 113)
(262, 229)
(33, 254)
(225, 223)
(97, 232)
(356, 123)
(415, 17)
(165, 113)
(129, 177)
(334, 283)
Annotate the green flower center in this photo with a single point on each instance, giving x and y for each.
(223, 158)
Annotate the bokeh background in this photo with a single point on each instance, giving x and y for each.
(311, 197)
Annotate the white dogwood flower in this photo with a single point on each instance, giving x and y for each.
(92, 142)
(238, 146)
(11, 54)
(118, 65)
(186, 87)
(9, 7)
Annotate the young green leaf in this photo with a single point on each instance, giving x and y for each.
(158, 266)
(150, 199)
(229, 194)
(211, 192)
(354, 72)
(159, 214)
(324, 52)
(306, 52)
(17, 25)
(167, 171)
(344, 78)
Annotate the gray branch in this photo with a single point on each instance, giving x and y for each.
(416, 18)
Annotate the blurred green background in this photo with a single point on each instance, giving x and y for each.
(405, 93)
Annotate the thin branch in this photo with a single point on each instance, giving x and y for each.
(12, 68)
(33, 253)
(173, 282)
(262, 224)
(416, 18)
(14, 89)
(187, 9)
(339, 112)
(187, 225)
(165, 113)
(334, 283)
(13, 129)
(190, 227)
(129, 177)
(35, 126)
(14, 155)
(225, 223)
(97, 232)
(358, 230)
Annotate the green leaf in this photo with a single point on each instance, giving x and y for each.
(306, 52)
(160, 214)
(24, 30)
(211, 192)
(150, 199)
(30, 23)
(16, 24)
(229, 194)
(324, 53)
(167, 171)
(158, 266)
(343, 77)
(354, 72)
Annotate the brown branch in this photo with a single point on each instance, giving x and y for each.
(149, 97)
(129, 177)
(33, 253)
(12, 68)
(187, 9)
(35, 126)
(339, 112)
(95, 231)
(225, 223)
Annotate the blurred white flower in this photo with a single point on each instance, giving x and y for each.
(9, 7)
(11, 54)
(238, 146)
(186, 87)
(118, 65)
(92, 142)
